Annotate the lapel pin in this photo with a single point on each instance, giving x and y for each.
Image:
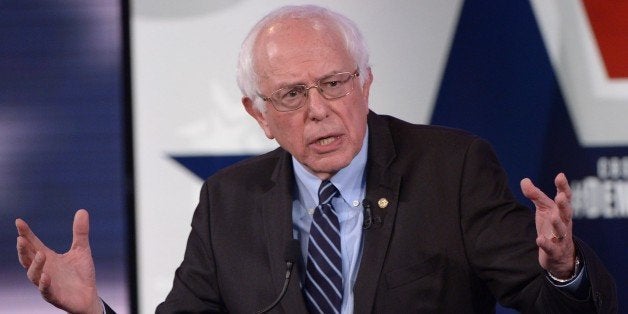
(382, 203)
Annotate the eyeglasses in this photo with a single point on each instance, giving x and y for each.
(293, 97)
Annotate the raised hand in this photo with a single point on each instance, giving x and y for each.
(553, 227)
(68, 281)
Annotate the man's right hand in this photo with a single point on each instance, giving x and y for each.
(68, 281)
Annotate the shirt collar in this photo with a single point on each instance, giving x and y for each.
(349, 180)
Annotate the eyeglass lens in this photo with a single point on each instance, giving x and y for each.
(330, 87)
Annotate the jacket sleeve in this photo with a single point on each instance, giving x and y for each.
(603, 290)
(500, 243)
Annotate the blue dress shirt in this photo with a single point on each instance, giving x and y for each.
(351, 183)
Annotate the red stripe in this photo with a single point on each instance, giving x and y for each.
(609, 21)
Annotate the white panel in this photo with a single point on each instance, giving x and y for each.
(598, 105)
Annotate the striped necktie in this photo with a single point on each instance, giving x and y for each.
(323, 281)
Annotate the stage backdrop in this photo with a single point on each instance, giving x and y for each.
(544, 81)
(63, 140)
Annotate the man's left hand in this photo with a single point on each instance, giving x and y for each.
(553, 227)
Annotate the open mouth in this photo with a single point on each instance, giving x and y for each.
(327, 140)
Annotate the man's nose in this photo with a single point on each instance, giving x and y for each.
(318, 106)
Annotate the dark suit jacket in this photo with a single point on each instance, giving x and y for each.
(452, 239)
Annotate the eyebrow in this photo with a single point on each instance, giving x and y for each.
(330, 73)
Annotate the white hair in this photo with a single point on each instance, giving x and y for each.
(248, 80)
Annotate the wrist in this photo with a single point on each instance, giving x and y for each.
(96, 306)
(564, 278)
(99, 307)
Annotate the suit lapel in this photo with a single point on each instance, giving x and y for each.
(382, 190)
(382, 183)
(276, 210)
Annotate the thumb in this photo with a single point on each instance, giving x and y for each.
(529, 189)
(80, 230)
(534, 194)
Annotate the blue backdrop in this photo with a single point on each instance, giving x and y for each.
(499, 83)
(63, 138)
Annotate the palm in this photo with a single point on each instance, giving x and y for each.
(73, 278)
(68, 281)
(546, 224)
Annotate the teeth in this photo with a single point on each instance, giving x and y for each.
(326, 140)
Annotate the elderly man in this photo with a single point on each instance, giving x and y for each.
(390, 217)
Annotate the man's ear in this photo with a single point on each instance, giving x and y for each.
(259, 116)
(366, 87)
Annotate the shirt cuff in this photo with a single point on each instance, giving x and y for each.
(577, 287)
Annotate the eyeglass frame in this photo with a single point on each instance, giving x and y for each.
(316, 84)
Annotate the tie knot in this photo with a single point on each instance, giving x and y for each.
(326, 192)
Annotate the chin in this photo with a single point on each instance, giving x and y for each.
(328, 167)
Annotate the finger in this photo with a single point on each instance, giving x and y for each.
(36, 268)
(534, 194)
(563, 196)
(562, 185)
(80, 230)
(546, 245)
(560, 228)
(44, 287)
(25, 231)
(25, 252)
(565, 210)
(559, 231)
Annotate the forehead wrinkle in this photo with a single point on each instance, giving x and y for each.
(286, 78)
(277, 75)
